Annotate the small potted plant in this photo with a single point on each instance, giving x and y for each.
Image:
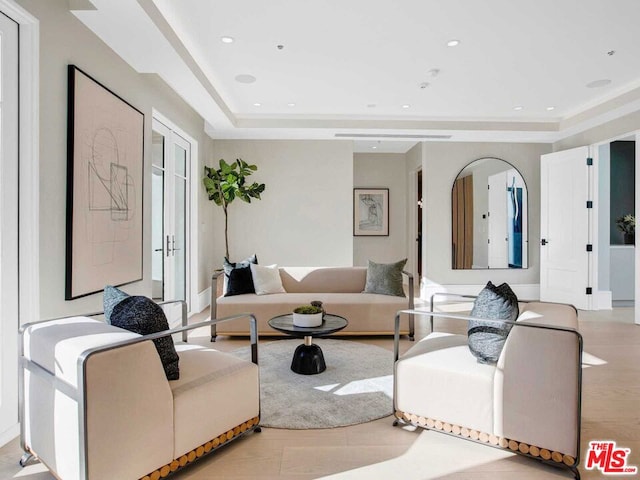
(307, 316)
(627, 225)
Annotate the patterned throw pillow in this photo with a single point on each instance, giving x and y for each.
(143, 316)
(238, 283)
(486, 339)
(385, 278)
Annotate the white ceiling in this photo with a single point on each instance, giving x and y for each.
(341, 57)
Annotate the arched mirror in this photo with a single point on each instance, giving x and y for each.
(489, 216)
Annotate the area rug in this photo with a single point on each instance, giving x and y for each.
(356, 387)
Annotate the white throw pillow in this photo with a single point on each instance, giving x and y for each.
(266, 279)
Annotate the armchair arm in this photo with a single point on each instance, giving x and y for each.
(411, 305)
(213, 304)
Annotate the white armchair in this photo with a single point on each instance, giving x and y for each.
(96, 404)
(529, 402)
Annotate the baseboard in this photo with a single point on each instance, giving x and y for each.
(204, 299)
(9, 434)
(523, 291)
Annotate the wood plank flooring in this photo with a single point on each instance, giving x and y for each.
(611, 411)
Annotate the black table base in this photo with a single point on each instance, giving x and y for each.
(308, 360)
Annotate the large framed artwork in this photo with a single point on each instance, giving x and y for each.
(104, 188)
(371, 212)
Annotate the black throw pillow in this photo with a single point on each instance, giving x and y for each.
(143, 316)
(243, 282)
(239, 281)
(486, 339)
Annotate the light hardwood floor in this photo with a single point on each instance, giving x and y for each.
(611, 411)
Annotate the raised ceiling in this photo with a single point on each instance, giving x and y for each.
(324, 68)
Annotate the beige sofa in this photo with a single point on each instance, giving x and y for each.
(96, 404)
(529, 402)
(340, 289)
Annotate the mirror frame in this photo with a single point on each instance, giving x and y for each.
(452, 216)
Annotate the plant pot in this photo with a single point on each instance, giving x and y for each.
(307, 319)
(629, 238)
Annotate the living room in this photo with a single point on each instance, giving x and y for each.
(311, 158)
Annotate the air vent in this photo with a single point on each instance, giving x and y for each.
(392, 135)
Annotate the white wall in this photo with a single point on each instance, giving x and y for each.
(305, 215)
(441, 163)
(383, 170)
(65, 40)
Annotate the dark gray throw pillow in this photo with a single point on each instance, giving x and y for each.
(143, 316)
(241, 283)
(486, 339)
(111, 297)
(385, 278)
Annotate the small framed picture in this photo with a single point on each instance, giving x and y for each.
(371, 212)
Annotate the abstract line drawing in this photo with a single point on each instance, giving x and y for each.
(371, 211)
(104, 194)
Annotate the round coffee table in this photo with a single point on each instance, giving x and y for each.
(308, 358)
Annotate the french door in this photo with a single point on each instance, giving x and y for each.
(9, 294)
(170, 229)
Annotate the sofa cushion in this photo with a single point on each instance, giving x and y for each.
(230, 266)
(385, 278)
(143, 316)
(438, 378)
(323, 279)
(486, 339)
(366, 312)
(222, 387)
(266, 279)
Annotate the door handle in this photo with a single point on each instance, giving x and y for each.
(158, 250)
(168, 246)
(544, 241)
(173, 244)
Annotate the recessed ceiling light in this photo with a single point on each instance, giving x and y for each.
(226, 39)
(423, 85)
(453, 43)
(550, 108)
(374, 147)
(371, 105)
(245, 78)
(257, 104)
(599, 83)
(518, 107)
(406, 105)
(291, 104)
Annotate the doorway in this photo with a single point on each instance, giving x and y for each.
(616, 163)
(170, 214)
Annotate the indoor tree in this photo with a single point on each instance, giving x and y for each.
(228, 182)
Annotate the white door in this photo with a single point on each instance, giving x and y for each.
(8, 226)
(498, 241)
(171, 157)
(564, 228)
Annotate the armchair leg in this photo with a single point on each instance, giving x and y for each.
(27, 459)
(412, 328)
(213, 333)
